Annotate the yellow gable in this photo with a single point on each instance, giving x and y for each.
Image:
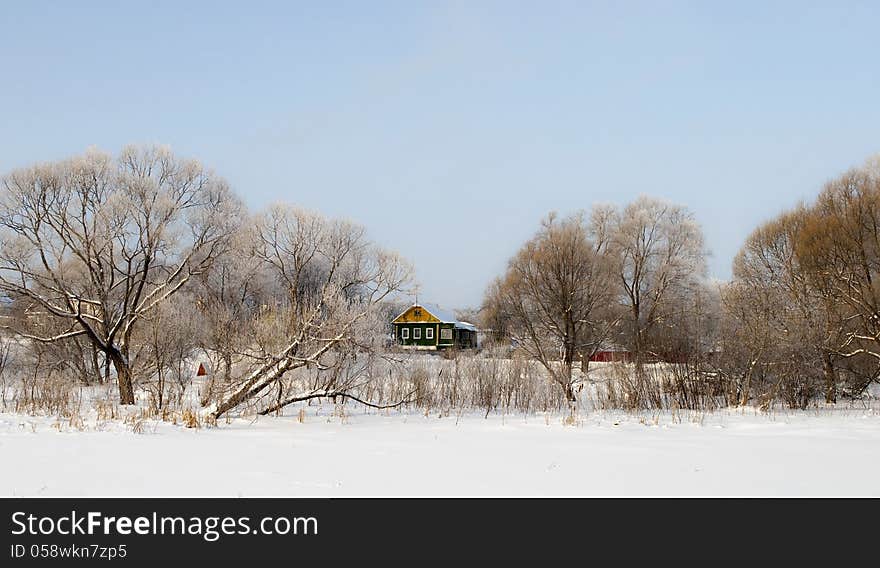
(416, 314)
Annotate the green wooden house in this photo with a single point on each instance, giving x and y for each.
(427, 327)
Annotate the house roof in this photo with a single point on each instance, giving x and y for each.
(441, 314)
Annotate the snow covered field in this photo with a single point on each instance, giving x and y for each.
(825, 452)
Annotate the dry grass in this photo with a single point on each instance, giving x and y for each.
(190, 419)
(446, 386)
(672, 387)
(52, 394)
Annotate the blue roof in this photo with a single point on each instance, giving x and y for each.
(439, 313)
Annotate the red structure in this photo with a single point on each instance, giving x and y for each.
(612, 356)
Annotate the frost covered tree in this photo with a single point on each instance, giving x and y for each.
(166, 339)
(553, 294)
(96, 243)
(661, 259)
(229, 295)
(312, 340)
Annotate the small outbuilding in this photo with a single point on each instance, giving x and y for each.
(427, 327)
(612, 354)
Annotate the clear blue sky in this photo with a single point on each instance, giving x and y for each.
(450, 129)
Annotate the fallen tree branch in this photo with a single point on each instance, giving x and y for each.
(280, 405)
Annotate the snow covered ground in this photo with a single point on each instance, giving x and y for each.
(744, 452)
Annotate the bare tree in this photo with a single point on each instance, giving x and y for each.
(333, 281)
(167, 341)
(75, 355)
(745, 337)
(660, 258)
(229, 296)
(552, 294)
(839, 249)
(98, 242)
(767, 312)
(803, 303)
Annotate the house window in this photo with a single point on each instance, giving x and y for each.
(429, 333)
(417, 333)
(404, 333)
(446, 333)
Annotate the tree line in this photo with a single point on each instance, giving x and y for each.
(800, 316)
(128, 268)
(803, 307)
(135, 263)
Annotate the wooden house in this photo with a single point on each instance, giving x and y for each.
(427, 327)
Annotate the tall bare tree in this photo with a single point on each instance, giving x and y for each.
(839, 250)
(553, 293)
(804, 301)
(661, 257)
(97, 243)
(774, 320)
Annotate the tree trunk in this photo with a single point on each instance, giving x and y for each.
(830, 378)
(585, 363)
(637, 340)
(255, 383)
(746, 387)
(123, 377)
(96, 364)
(161, 388)
(227, 367)
(569, 393)
(567, 386)
(106, 368)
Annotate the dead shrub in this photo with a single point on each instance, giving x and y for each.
(190, 419)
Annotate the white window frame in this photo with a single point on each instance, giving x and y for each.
(417, 333)
(446, 334)
(429, 333)
(404, 333)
